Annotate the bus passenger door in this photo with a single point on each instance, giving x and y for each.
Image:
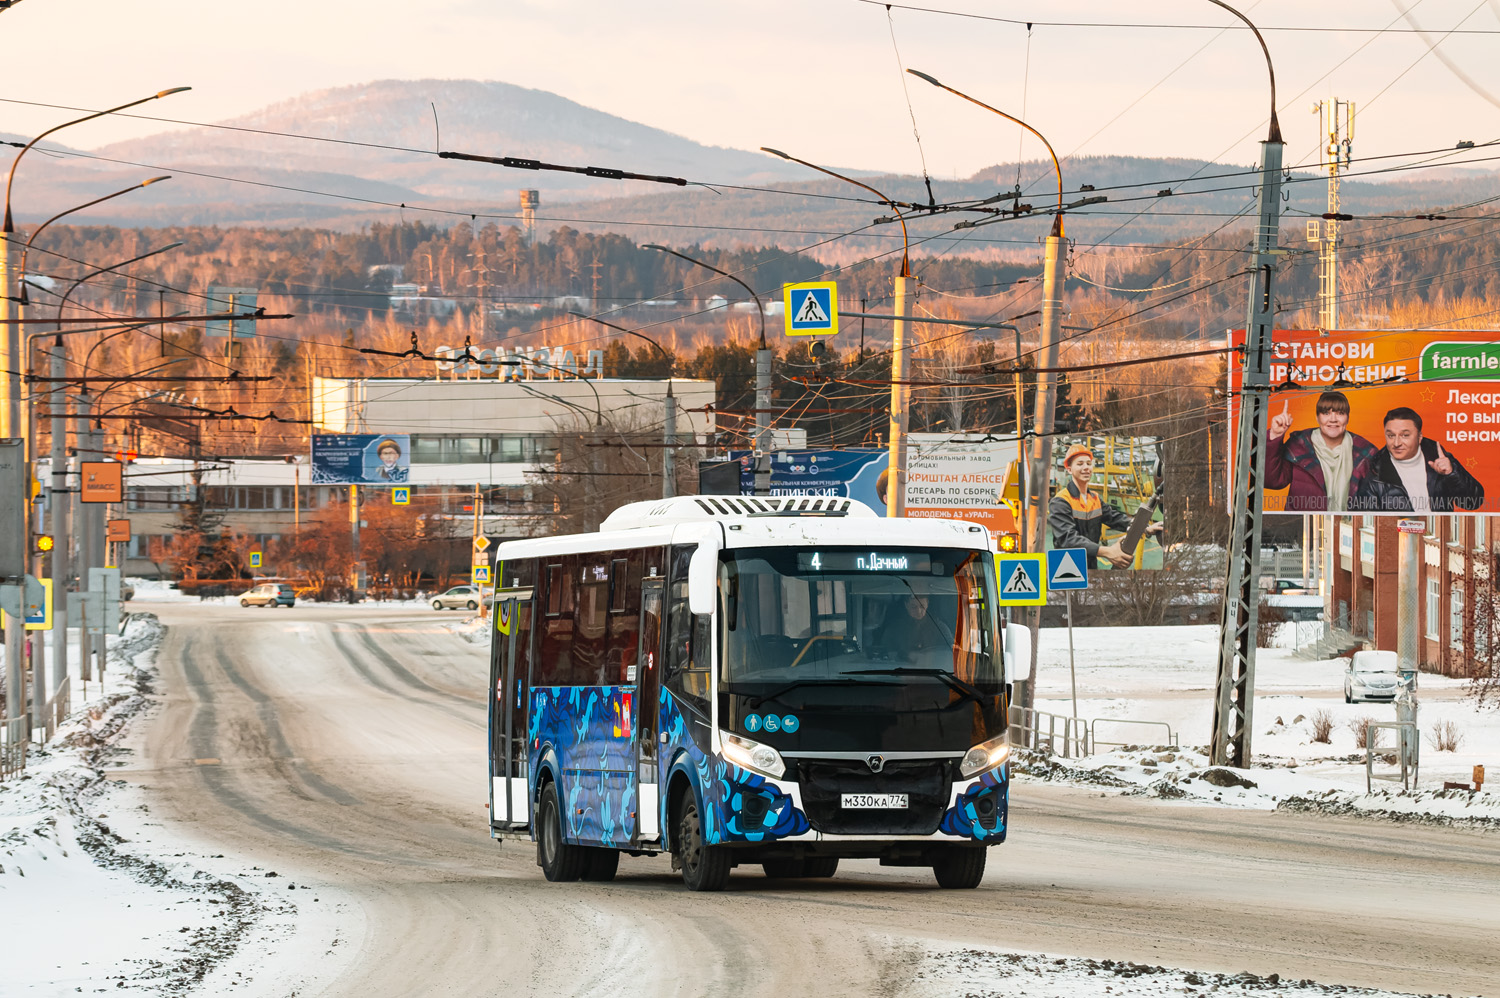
(649, 661)
(512, 797)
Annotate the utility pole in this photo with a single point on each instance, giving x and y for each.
(354, 541)
(10, 418)
(1336, 122)
(669, 444)
(762, 448)
(895, 484)
(1234, 700)
(1039, 484)
(58, 509)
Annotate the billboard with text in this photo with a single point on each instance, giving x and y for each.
(361, 458)
(1387, 422)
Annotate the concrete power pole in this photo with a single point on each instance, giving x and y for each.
(762, 449)
(669, 444)
(58, 508)
(895, 484)
(10, 422)
(1235, 686)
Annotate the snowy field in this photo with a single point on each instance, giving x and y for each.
(97, 896)
(1165, 675)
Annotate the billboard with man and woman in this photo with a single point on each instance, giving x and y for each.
(1382, 421)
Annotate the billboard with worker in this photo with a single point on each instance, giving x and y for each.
(1387, 422)
(361, 459)
(1106, 499)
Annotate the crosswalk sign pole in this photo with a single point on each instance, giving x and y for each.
(1072, 672)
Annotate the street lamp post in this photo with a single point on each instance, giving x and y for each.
(669, 413)
(1038, 485)
(57, 369)
(763, 357)
(895, 485)
(1234, 699)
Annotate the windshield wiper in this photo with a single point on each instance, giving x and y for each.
(776, 694)
(953, 682)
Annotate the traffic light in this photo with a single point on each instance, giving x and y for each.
(1009, 543)
(44, 542)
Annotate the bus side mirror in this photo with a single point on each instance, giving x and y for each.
(1017, 653)
(702, 581)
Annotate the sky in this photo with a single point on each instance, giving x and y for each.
(819, 78)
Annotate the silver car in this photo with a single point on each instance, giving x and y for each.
(467, 597)
(1372, 675)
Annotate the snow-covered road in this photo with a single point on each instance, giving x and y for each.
(331, 760)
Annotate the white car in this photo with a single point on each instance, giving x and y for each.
(1372, 675)
(460, 597)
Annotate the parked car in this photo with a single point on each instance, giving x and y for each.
(270, 594)
(466, 597)
(1372, 675)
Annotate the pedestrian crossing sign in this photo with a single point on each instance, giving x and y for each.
(401, 495)
(1068, 568)
(812, 309)
(481, 573)
(1021, 580)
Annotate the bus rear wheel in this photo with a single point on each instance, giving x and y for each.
(820, 866)
(959, 867)
(704, 867)
(559, 861)
(601, 864)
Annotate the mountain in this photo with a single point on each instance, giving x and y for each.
(382, 169)
(485, 118)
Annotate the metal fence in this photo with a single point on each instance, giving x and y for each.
(1074, 737)
(1041, 731)
(57, 708)
(1095, 741)
(1408, 740)
(14, 735)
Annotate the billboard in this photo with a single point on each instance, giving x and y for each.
(852, 474)
(361, 459)
(962, 477)
(1388, 422)
(1107, 504)
(101, 481)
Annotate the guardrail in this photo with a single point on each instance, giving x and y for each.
(14, 735)
(57, 708)
(1095, 741)
(1041, 731)
(1408, 740)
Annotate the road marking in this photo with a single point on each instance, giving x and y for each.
(205, 762)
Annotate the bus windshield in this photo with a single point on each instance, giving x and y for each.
(842, 615)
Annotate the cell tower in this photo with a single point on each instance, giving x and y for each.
(530, 201)
(1336, 120)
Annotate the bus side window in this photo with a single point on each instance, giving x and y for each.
(686, 666)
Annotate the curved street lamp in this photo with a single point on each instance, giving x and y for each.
(1057, 225)
(722, 273)
(11, 177)
(895, 490)
(669, 415)
(26, 250)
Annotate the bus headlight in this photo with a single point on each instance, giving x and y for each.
(985, 755)
(754, 756)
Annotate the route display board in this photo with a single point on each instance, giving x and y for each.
(1448, 379)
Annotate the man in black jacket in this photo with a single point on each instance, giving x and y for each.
(1412, 474)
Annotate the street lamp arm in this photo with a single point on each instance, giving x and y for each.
(1056, 163)
(723, 273)
(105, 270)
(905, 244)
(26, 250)
(671, 361)
(10, 178)
(1275, 133)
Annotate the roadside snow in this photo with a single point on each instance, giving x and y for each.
(944, 972)
(1136, 684)
(88, 902)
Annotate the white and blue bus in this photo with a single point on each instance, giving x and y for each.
(735, 680)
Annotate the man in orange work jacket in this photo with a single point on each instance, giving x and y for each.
(1078, 517)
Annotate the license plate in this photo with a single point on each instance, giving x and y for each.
(867, 801)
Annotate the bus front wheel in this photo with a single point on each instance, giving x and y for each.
(559, 860)
(601, 864)
(704, 867)
(959, 867)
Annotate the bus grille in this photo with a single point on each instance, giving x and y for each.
(926, 782)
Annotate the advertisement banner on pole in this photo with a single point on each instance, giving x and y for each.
(361, 459)
(851, 474)
(101, 481)
(1386, 422)
(962, 477)
(1104, 499)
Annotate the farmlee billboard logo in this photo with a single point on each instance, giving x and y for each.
(1461, 362)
